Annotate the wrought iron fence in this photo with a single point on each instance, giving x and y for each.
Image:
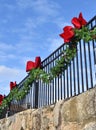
(78, 78)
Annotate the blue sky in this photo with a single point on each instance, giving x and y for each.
(30, 28)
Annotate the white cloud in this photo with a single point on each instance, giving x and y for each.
(25, 59)
(9, 74)
(6, 47)
(55, 43)
(9, 51)
(16, 55)
(6, 52)
(60, 22)
(9, 6)
(24, 3)
(32, 23)
(44, 7)
(6, 57)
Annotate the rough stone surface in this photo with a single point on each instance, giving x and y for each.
(77, 113)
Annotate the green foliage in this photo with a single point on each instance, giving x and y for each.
(85, 34)
(64, 61)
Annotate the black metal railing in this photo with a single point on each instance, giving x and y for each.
(78, 78)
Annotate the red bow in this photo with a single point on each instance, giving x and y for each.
(33, 65)
(68, 33)
(79, 22)
(12, 85)
(1, 99)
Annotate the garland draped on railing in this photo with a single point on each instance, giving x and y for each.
(71, 36)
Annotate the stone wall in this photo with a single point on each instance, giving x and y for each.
(77, 113)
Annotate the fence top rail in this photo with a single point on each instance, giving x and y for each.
(90, 21)
(23, 80)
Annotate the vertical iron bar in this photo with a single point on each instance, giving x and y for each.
(90, 66)
(58, 87)
(74, 76)
(70, 80)
(64, 84)
(52, 82)
(61, 86)
(36, 93)
(48, 94)
(55, 86)
(82, 77)
(31, 96)
(67, 91)
(94, 52)
(85, 66)
(64, 47)
(58, 81)
(77, 60)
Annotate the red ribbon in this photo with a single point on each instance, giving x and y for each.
(33, 65)
(68, 33)
(78, 22)
(1, 99)
(12, 85)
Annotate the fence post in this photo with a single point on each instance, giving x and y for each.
(36, 93)
(95, 60)
(8, 111)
